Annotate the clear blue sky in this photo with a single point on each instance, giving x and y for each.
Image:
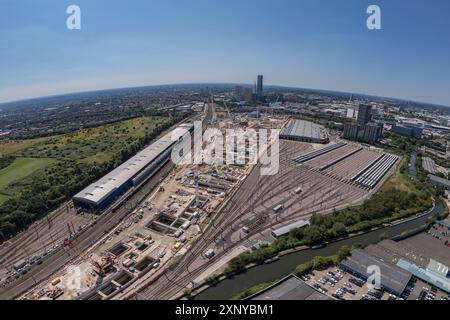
(321, 44)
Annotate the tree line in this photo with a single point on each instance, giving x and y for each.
(59, 182)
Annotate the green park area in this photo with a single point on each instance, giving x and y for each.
(37, 175)
(19, 169)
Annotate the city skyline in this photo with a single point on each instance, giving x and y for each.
(322, 46)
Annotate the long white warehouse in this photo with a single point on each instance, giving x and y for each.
(101, 194)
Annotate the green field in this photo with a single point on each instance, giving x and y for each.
(93, 145)
(39, 174)
(19, 169)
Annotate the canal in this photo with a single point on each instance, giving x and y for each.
(412, 166)
(230, 287)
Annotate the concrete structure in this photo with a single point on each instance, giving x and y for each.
(101, 194)
(289, 288)
(306, 131)
(364, 114)
(284, 231)
(363, 130)
(407, 131)
(372, 133)
(369, 133)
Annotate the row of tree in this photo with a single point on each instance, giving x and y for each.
(59, 182)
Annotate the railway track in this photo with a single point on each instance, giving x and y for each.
(171, 282)
(40, 236)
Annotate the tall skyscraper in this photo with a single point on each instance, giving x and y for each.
(259, 86)
(364, 114)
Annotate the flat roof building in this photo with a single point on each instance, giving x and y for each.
(283, 231)
(439, 182)
(100, 194)
(407, 131)
(306, 131)
(435, 274)
(393, 278)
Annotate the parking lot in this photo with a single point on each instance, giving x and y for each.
(340, 285)
(424, 291)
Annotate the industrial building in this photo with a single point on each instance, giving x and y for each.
(289, 288)
(283, 231)
(429, 165)
(398, 262)
(439, 182)
(393, 278)
(435, 273)
(407, 131)
(101, 194)
(306, 131)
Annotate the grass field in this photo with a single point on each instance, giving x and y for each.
(91, 145)
(86, 146)
(19, 169)
(47, 171)
(400, 180)
(8, 147)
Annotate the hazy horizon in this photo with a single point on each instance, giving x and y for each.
(321, 45)
(63, 94)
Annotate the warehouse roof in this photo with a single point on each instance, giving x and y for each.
(286, 229)
(302, 128)
(429, 275)
(393, 278)
(289, 288)
(429, 165)
(99, 190)
(435, 180)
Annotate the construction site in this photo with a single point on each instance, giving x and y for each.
(199, 216)
(311, 179)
